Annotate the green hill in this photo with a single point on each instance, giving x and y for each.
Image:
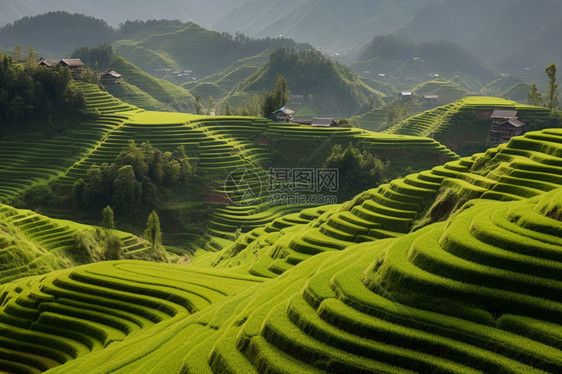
(33, 244)
(407, 61)
(142, 89)
(463, 126)
(55, 34)
(220, 84)
(335, 90)
(192, 47)
(477, 292)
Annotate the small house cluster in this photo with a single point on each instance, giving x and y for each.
(505, 125)
(76, 67)
(285, 114)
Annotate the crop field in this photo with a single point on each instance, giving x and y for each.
(454, 269)
(479, 293)
(459, 122)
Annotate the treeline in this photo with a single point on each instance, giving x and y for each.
(56, 33)
(37, 98)
(134, 184)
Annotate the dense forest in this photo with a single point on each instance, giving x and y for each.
(37, 98)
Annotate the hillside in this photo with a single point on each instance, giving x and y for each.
(33, 244)
(140, 88)
(185, 10)
(55, 34)
(406, 62)
(191, 47)
(491, 31)
(463, 125)
(382, 305)
(332, 26)
(331, 89)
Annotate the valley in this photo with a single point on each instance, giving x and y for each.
(298, 196)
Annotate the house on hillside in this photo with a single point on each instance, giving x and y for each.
(505, 125)
(405, 95)
(75, 65)
(429, 99)
(111, 77)
(324, 122)
(47, 63)
(283, 114)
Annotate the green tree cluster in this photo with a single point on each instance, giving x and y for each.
(37, 98)
(358, 171)
(133, 183)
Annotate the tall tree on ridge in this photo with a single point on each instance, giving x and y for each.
(553, 100)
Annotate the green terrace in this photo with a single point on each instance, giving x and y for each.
(528, 166)
(32, 244)
(50, 320)
(460, 119)
(478, 293)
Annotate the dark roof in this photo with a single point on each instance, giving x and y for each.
(71, 62)
(502, 113)
(514, 122)
(49, 63)
(303, 120)
(112, 74)
(323, 122)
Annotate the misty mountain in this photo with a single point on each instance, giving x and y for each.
(56, 34)
(411, 61)
(118, 11)
(519, 37)
(331, 25)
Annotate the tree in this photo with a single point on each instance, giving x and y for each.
(276, 99)
(152, 233)
(534, 97)
(107, 218)
(553, 101)
(281, 92)
(198, 105)
(211, 105)
(112, 247)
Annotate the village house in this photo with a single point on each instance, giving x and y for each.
(283, 114)
(324, 122)
(505, 125)
(111, 77)
(75, 65)
(429, 99)
(47, 63)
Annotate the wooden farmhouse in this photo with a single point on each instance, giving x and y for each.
(48, 63)
(324, 122)
(505, 125)
(111, 77)
(283, 114)
(75, 65)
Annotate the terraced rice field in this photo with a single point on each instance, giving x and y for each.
(454, 269)
(479, 293)
(528, 166)
(32, 244)
(460, 119)
(51, 320)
